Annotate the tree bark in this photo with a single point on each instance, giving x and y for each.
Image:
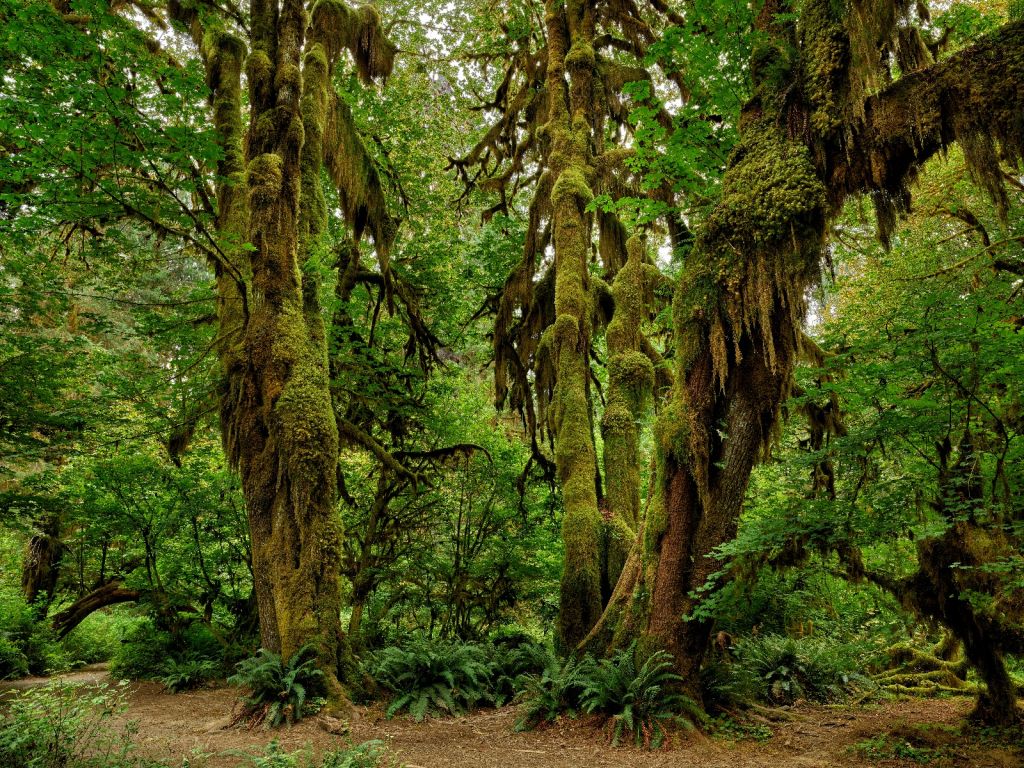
(111, 593)
(277, 417)
(41, 566)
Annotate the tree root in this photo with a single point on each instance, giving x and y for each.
(943, 670)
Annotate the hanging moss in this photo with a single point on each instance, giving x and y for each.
(360, 31)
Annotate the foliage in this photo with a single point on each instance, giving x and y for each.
(143, 654)
(188, 673)
(427, 677)
(97, 638)
(27, 645)
(280, 692)
(781, 670)
(65, 726)
(639, 696)
(557, 691)
(368, 754)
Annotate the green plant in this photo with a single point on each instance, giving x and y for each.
(27, 646)
(95, 640)
(554, 692)
(638, 699)
(13, 662)
(512, 663)
(429, 677)
(280, 691)
(368, 754)
(730, 729)
(188, 673)
(781, 669)
(65, 726)
(886, 747)
(143, 653)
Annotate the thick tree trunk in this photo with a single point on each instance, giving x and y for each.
(697, 522)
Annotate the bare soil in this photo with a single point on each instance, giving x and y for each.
(913, 732)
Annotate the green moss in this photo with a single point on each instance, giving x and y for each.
(580, 56)
(571, 186)
(672, 431)
(770, 193)
(634, 371)
(258, 68)
(264, 179)
(826, 62)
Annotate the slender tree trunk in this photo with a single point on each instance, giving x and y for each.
(570, 74)
(41, 566)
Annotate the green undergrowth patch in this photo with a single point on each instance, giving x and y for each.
(368, 754)
(732, 729)
(921, 743)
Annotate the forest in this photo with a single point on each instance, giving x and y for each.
(524, 383)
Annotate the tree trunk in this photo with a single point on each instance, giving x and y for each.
(41, 566)
(570, 47)
(277, 417)
(111, 593)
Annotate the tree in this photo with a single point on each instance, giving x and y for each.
(560, 105)
(810, 138)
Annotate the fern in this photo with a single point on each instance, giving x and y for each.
(188, 673)
(432, 678)
(279, 689)
(638, 701)
(781, 669)
(555, 692)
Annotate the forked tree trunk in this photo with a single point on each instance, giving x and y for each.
(805, 146)
(277, 417)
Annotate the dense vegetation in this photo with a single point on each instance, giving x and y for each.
(644, 360)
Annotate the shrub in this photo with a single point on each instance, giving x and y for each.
(27, 646)
(781, 670)
(188, 673)
(555, 692)
(65, 726)
(431, 677)
(143, 653)
(639, 700)
(280, 691)
(95, 640)
(13, 662)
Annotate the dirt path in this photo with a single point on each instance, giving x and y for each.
(918, 732)
(902, 733)
(92, 673)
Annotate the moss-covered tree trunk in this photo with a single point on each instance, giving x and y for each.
(570, 77)
(809, 139)
(41, 566)
(277, 416)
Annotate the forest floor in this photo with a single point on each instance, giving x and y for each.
(890, 733)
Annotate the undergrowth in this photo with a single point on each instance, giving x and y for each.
(281, 691)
